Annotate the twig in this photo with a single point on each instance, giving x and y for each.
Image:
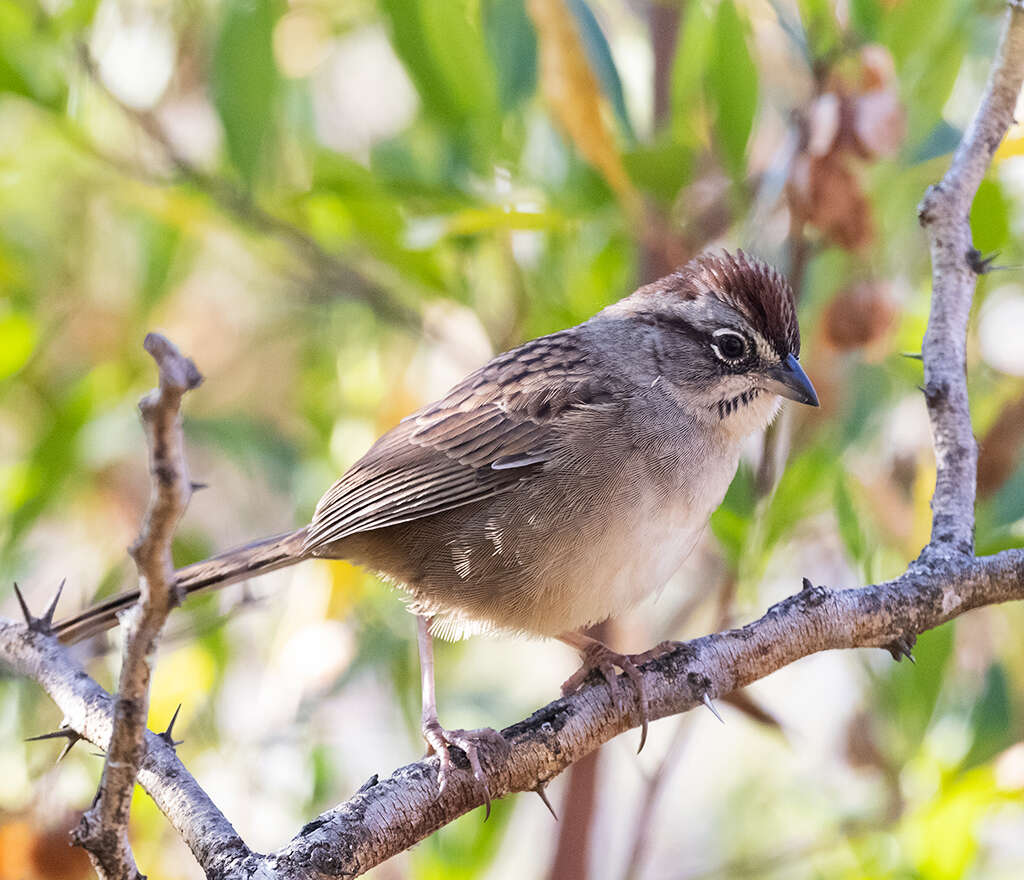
(943, 213)
(89, 710)
(103, 830)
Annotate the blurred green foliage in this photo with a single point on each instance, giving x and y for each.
(280, 186)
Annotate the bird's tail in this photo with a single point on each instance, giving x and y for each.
(210, 574)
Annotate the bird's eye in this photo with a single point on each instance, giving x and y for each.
(729, 345)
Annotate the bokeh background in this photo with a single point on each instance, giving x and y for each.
(339, 209)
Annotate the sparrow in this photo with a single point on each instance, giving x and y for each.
(560, 483)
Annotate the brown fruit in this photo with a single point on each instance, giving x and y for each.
(859, 315)
(1000, 449)
(827, 194)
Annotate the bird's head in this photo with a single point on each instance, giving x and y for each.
(723, 333)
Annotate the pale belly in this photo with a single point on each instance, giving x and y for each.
(631, 569)
(636, 559)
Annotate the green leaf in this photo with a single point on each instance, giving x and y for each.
(798, 493)
(31, 65)
(991, 719)
(932, 83)
(869, 384)
(441, 43)
(54, 459)
(76, 16)
(464, 849)
(1007, 506)
(688, 68)
(820, 27)
(731, 522)
(849, 522)
(865, 16)
(911, 27)
(907, 692)
(12, 80)
(18, 335)
(453, 30)
(160, 244)
(407, 37)
(941, 141)
(512, 42)
(245, 82)
(661, 170)
(347, 201)
(732, 86)
(599, 54)
(990, 217)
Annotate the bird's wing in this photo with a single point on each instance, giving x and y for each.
(489, 432)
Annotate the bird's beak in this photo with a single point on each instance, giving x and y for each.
(789, 380)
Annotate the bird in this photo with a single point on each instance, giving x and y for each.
(557, 485)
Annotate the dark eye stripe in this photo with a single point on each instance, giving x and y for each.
(677, 325)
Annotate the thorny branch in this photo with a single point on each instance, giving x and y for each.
(89, 710)
(388, 816)
(943, 213)
(103, 830)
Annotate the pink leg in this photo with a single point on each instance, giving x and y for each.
(437, 737)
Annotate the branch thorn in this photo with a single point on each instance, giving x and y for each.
(543, 795)
(912, 355)
(47, 619)
(370, 783)
(900, 648)
(72, 737)
(706, 700)
(979, 263)
(29, 619)
(44, 623)
(167, 735)
(196, 486)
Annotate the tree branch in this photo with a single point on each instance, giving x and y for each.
(389, 816)
(396, 813)
(103, 830)
(944, 213)
(89, 710)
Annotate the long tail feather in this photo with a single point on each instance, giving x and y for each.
(226, 568)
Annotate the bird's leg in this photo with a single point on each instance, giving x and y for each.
(597, 655)
(438, 739)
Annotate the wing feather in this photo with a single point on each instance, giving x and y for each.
(490, 432)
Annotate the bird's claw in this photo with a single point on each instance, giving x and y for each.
(600, 657)
(471, 742)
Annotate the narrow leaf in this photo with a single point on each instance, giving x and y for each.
(512, 43)
(599, 54)
(571, 88)
(244, 81)
(732, 84)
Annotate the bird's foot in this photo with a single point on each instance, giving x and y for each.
(473, 743)
(598, 656)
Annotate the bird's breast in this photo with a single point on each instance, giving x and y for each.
(640, 533)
